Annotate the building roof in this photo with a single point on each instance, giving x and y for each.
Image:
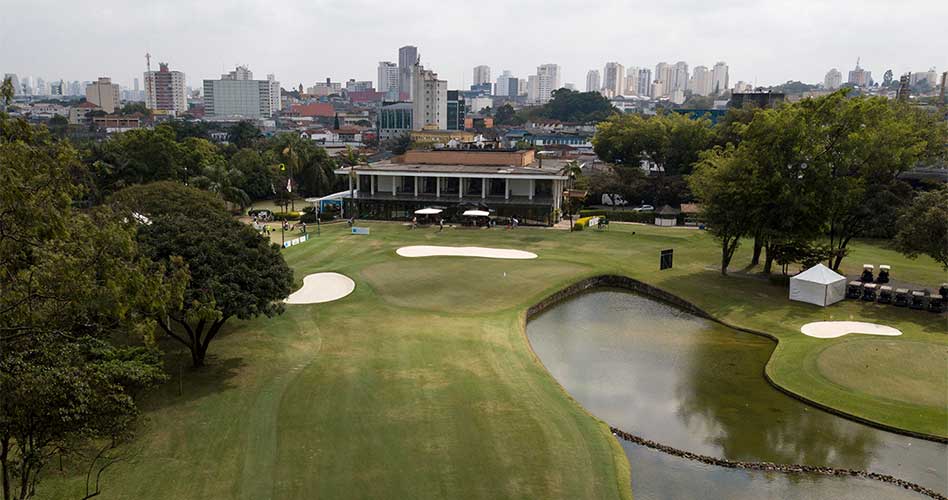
(690, 208)
(551, 169)
(313, 109)
(668, 210)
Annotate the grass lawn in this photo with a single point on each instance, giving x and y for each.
(421, 384)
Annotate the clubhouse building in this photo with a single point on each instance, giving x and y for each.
(506, 183)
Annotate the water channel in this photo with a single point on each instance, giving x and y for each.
(663, 374)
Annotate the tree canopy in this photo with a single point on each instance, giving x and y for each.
(923, 227)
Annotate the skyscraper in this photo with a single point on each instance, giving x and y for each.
(719, 78)
(135, 85)
(593, 81)
(506, 84)
(833, 79)
(388, 79)
(643, 86)
(548, 80)
(859, 76)
(663, 77)
(165, 90)
(481, 75)
(429, 99)
(104, 94)
(613, 79)
(700, 81)
(407, 57)
(276, 94)
(679, 76)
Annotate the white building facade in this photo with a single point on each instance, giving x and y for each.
(593, 81)
(104, 94)
(429, 99)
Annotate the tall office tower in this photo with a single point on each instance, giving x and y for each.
(17, 90)
(643, 84)
(104, 94)
(859, 76)
(481, 75)
(679, 76)
(276, 94)
(407, 58)
(57, 88)
(521, 86)
(593, 81)
(165, 90)
(719, 78)
(833, 79)
(234, 95)
(506, 84)
(631, 80)
(429, 105)
(27, 85)
(388, 79)
(548, 80)
(700, 82)
(135, 85)
(41, 87)
(613, 79)
(455, 110)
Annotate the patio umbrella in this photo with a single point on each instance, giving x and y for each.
(476, 213)
(428, 211)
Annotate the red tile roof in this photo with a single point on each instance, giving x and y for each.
(313, 109)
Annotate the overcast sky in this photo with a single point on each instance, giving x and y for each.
(302, 41)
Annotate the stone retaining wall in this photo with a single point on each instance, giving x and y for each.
(772, 467)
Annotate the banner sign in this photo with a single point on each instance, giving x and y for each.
(360, 230)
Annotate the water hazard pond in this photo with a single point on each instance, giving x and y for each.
(663, 374)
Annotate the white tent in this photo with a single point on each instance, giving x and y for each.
(476, 213)
(818, 285)
(428, 211)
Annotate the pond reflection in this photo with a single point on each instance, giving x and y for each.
(663, 374)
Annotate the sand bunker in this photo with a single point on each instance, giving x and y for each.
(834, 329)
(322, 287)
(437, 251)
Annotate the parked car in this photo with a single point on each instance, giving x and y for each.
(644, 208)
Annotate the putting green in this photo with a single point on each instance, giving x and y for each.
(915, 378)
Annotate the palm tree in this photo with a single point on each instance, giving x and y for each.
(6, 92)
(224, 182)
(571, 169)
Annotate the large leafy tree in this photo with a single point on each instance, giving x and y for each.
(672, 142)
(243, 134)
(233, 271)
(136, 157)
(256, 176)
(923, 227)
(71, 282)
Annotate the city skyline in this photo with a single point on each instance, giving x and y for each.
(121, 34)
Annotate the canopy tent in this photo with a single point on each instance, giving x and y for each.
(818, 285)
(428, 211)
(476, 213)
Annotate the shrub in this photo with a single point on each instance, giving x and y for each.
(286, 216)
(621, 215)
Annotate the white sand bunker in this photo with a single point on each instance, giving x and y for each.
(438, 251)
(834, 329)
(322, 287)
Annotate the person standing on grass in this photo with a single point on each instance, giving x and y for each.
(441, 224)
(414, 222)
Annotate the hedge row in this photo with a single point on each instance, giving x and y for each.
(621, 215)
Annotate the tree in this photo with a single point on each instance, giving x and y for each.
(504, 115)
(573, 106)
(233, 271)
(256, 178)
(335, 122)
(72, 282)
(351, 157)
(398, 145)
(243, 134)
(717, 182)
(135, 107)
(671, 142)
(7, 91)
(135, 157)
(923, 227)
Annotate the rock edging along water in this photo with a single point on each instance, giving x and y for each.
(773, 467)
(634, 285)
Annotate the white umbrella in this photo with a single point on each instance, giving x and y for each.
(476, 213)
(428, 211)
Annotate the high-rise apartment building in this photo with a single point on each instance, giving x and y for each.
(700, 81)
(57, 88)
(548, 80)
(236, 94)
(859, 76)
(593, 81)
(104, 94)
(388, 80)
(679, 76)
(643, 84)
(833, 79)
(481, 75)
(506, 84)
(613, 79)
(455, 110)
(407, 58)
(663, 74)
(931, 76)
(41, 87)
(719, 78)
(165, 90)
(276, 94)
(354, 85)
(429, 99)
